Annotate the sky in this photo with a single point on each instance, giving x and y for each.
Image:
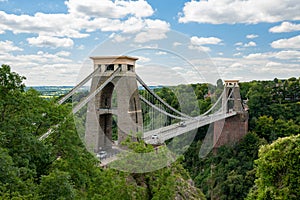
(49, 41)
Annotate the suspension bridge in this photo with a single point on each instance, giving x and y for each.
(114, 77)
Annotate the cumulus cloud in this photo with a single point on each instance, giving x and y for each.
(8, 46)
(153, 30)
(253, 69)
(290, 43)
(250, 44)
(43, 68)
(161, 53)
(143, 59)
(175, 44)
(238, 44)
(199, 42)
(285, 27)
(53, 42)
(278, 68)
(289, 55)
(200, 48)
(84, 17)
(63, 53)
(109, 9)
(203, 40)
(61, 25)
(251, 36)
(240, 11)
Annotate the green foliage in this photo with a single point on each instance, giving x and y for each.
(270, 129)
(278, 99)
(60, 167)
(56, 185)
(10, 81)
(278, 170)
(226, 174)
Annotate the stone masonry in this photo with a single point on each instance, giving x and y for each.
(232, 129)
(98, 134)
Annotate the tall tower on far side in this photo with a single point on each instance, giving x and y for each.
(231, 129)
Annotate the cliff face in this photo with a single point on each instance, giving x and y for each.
(185, 189)
(171, 182)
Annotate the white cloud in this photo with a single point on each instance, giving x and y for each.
(119, 38)
(200, 48)
(240, 11)
(278, 68)
(289, 55)
(143, 59)
(258, 56)
(203, 41)
(290, 43)
(238, 44)
(63, 53)
(109, 9)
(53, 42)
(153, 30)
(237, 54)
(251, 36)
(199, 42)
(161, 53)
(254, 69)
(80, 47)
(44, 68)
(175, 44)
(60, 25)
(250, 44)
(88, 16)
(285, 27)
(8, 46)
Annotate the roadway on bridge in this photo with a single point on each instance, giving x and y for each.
(174, 130)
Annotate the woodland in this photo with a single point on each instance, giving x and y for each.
(265, 164)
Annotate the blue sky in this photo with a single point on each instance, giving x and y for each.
(47, 41)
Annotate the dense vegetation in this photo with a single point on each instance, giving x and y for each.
(274, 108)
(60, 167)
(260, 166)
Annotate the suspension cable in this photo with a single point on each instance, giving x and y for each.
(74, 89)
(159, 99)
(160, 110)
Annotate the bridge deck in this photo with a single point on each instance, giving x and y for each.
(174, 130)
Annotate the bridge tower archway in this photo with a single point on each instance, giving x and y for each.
(120, 70)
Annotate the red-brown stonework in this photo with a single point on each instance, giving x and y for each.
(230, 130)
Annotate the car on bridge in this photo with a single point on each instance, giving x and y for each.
(101, 155)
(155, 139)
(181, 124)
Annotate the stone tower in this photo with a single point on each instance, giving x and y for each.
(231, 129)
(121, 71)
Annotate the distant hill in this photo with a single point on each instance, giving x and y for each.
(56, 91)
(51, 91)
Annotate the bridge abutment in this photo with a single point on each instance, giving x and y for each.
(230, 130)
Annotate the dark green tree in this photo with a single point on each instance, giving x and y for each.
(278, 170)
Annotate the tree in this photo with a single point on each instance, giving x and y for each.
(10, 81)
(56, 185)
(278, 170)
